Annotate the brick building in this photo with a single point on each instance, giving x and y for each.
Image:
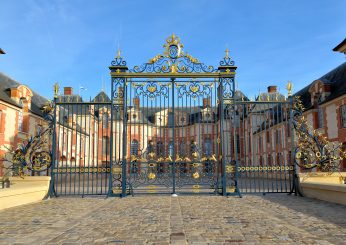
(20, 114)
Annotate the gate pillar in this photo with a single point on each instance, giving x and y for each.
(118, 139)
(228, 157)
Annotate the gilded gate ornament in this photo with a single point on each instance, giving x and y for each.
(34, 155)
(313, 149)
(173, 60)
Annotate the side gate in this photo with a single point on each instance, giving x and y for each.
(172, 125)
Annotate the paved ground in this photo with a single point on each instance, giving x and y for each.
(270, 219)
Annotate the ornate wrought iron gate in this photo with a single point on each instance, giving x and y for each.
(172, 125)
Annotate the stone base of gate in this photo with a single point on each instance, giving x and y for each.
(25, 190)
(323, 177)
(330, 187)
(335, 193)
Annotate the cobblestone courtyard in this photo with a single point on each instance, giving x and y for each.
(270, 219)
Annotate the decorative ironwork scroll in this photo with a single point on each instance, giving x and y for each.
(34, 155)
(151, 89)
(194, 89)
(313, 149)
(228, 87)
(174, 60)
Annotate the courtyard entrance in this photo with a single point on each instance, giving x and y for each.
(172, 125)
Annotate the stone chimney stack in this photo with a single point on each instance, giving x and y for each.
(272, 89)
(136, 102)
(206, 102)
(68, 90)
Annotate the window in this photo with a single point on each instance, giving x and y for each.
(105, 145)
(182, 149)
(268, 137)
(105, 120)
(20, 120)
(269, 160)
(238, 144)
(278, 158)
(288, 128)
(343, 116)
(134, 148)
(278, 137)
(207, 147)
(170, 148)
(170, 119)
(159, 149)
(320, 118)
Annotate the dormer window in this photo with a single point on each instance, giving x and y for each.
(320, 99)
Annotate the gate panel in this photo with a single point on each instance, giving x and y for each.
(149, 128)
(82, 164)
(196, 134)
(259, 139)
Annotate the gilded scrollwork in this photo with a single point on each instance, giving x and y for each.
(174, 60)
(313, 149)
(151, 89)
(194, 89)
(33, 155)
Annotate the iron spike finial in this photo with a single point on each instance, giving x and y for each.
(119, 53)
(227, 53)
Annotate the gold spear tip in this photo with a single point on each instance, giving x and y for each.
(289, 88)
(56, 90)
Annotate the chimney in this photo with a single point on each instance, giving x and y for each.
(206, 102)
(67, 90)
(272, 89)
(136, 102)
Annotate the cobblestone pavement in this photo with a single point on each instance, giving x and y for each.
(270, 219)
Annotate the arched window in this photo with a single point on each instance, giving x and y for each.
(134, 148)
(170, 148)
(208, 147)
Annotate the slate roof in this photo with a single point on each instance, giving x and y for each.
(37, 101)
(101, 97)
(338, 47)
(337, 80)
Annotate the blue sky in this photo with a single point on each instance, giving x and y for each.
(73, 42)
